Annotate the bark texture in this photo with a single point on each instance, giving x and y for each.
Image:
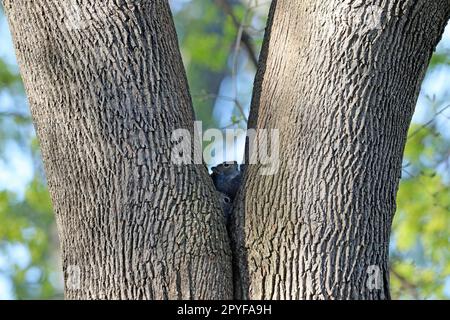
(339, 80)
(106, 87)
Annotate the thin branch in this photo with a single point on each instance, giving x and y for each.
(231, 124)
(206, 96)
(226, 98)
(427, 124)
(245, 38)
(425, 188)
(15, 115)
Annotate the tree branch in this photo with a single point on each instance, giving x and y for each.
(427, 124)
(15, 115)
(246, 40)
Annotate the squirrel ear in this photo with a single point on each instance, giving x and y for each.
(214, 169)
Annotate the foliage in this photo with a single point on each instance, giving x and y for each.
(421, 259)
(28, 227)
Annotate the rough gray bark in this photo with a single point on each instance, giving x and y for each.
(106, 95)
(342, 91)
(106, 87)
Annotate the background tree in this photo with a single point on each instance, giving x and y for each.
(202, 29)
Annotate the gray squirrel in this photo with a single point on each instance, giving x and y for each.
(227, 178)
(227, 206)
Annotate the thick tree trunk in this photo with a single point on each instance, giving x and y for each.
(106, 87)
(339, 80)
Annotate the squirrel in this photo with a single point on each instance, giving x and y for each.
(227, 178)
(227, 206)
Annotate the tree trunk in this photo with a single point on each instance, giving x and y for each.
(106, 87)
(339, 80)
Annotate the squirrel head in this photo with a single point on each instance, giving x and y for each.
(226, 168)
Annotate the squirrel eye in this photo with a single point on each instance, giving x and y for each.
(226, 200)
(226, 165)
